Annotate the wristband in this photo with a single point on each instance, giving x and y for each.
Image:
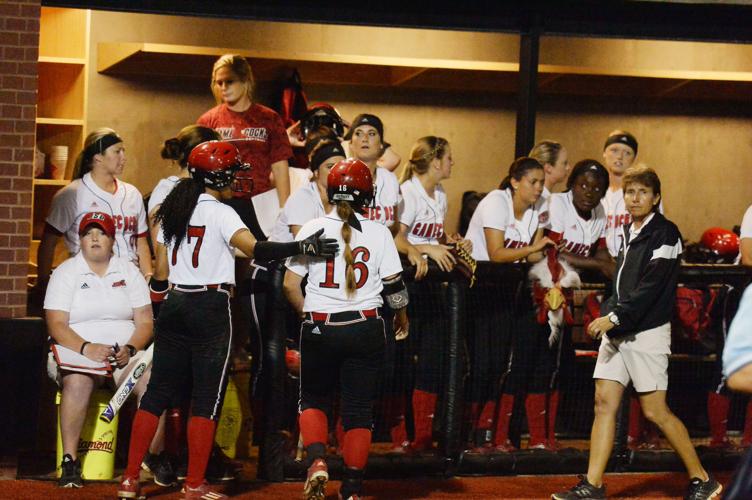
(82, 347)
(131, 349)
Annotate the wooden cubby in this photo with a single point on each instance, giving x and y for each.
(61, 107)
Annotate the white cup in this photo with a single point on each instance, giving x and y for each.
(58, 161)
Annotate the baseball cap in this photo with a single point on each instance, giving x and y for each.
(100, 219)
(366, 119)
(622, 138)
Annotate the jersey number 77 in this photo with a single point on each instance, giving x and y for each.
(193, 232)
(359, 266)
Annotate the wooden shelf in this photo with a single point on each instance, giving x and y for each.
(74, 122)
(74, 61)
(51, 182)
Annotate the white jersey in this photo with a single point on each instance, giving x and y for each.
(125, 205)
(496, 211)
(161, 190)
(746, 230)
(423, 215)
(303, 205)
(375, 258)
(386, 197)
(579, 236)
(616, 217)
(205, 256)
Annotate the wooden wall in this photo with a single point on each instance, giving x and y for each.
(700, 151)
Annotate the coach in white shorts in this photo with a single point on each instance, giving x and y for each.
(636, 337)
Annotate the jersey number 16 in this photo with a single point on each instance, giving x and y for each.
(359, 266)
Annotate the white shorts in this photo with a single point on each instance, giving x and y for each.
(641, 358)
(118, 375)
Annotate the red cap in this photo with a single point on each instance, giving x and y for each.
(100, 219)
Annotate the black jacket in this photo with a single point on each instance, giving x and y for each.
(647, 270)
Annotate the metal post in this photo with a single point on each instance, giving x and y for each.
(528, 92)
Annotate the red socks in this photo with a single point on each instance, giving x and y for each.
(485, 419)
(314, 426)
(718, 409)
(535, 407)
(356, 447)
(506, 406)
(553, 409)
(200, 441)
(142, 432)
(424, 405)
(173, 431)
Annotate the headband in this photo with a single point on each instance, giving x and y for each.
(622, 138)
(100, 145)
(324, 152)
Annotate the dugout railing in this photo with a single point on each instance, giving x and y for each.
(444, 306)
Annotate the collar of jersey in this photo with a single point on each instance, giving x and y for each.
(88, 181)
(82, 267)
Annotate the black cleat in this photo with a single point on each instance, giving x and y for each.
(70, 473)
(583, 491)
(161, 469)
(701, 490)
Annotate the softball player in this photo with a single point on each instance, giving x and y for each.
(366, 136)
(422, 212)
(555, 160)
(636, 338)
(193, 332)
(342, 335)
(506, 227)
(96, 188)
(577, 225)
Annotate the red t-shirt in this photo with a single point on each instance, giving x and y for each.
(265, 142)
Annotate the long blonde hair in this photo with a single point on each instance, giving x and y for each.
(424, 151)
(546, 152)
(345, 211)
(242, 70)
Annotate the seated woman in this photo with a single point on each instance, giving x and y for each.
(99, 317)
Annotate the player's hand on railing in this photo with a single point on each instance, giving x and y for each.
(421, 264)
(401, 324)
(318, 246)
(442, 256)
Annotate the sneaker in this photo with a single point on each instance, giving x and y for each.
(700, 490)
(129, 488)
(203, 492)
(70, 473)
(161, 468)
(505, 447)
(583, 490)
(220, 468)
(315, 485)
(541, 445)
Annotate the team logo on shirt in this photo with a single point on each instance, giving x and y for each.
(432, 230)
(84, 286)
(255, 133)
(543, 218)
(118, 284)
(375, 213)
(616, 221)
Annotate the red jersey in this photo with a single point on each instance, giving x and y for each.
(264, 142)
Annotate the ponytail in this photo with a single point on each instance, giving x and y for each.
(407, 172)
(345, 211)
(518, 169)
(176, 210)
(425, 150)
(179, 148)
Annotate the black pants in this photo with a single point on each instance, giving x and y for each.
(348, 356)
(191, 344)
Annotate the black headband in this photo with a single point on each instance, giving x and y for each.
(325, 152)
(622, 138)
(100, 145)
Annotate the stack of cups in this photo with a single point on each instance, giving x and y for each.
(58, 161)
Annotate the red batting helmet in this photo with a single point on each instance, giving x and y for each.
(215, 163)
(350, 180)
(721, 241)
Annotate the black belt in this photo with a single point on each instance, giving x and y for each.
(224, 287)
